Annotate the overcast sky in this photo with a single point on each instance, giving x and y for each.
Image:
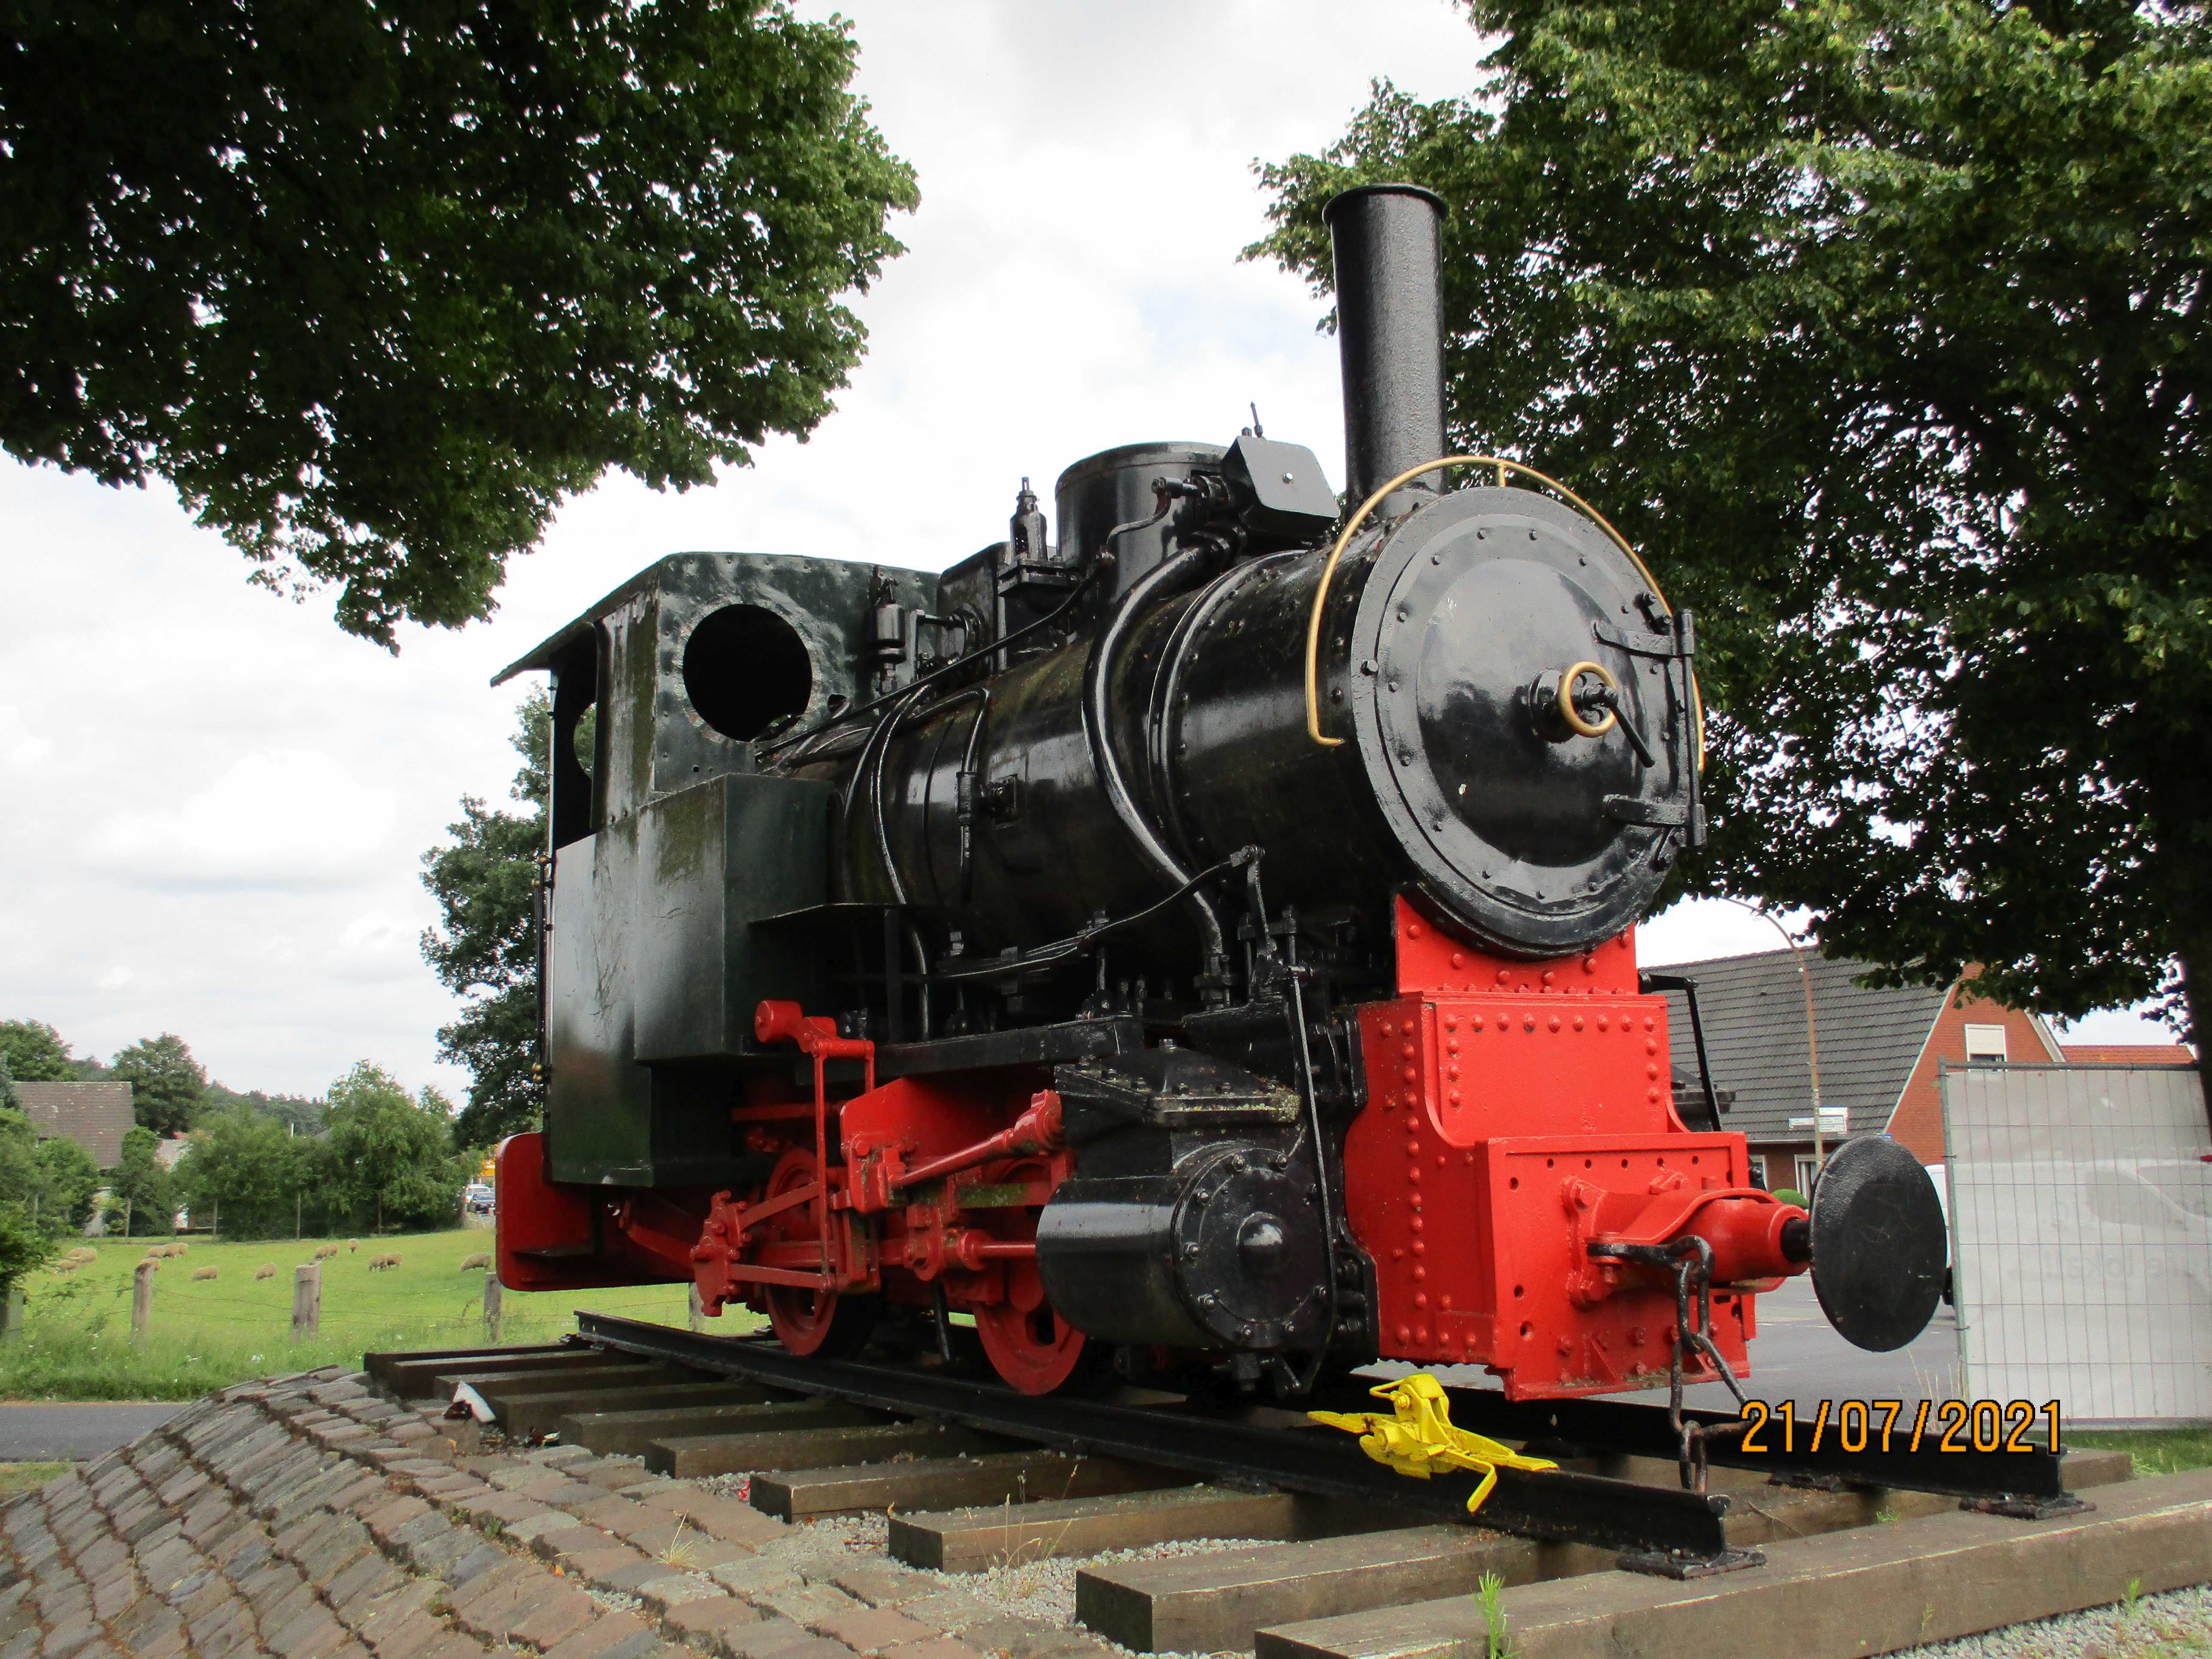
(215, 803)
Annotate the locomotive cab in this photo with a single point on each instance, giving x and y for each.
(1201, 943)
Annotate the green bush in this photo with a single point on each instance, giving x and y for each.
(246, 1172)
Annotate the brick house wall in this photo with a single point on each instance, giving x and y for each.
(1917, 1121)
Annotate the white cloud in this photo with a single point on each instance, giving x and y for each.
(379, 934)
(275, 817)
(18, 747)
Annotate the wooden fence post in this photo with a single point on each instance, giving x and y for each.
(11, 1313)
(491, 1306)
(141, 1300)
(698, 1311)
(306, 1299)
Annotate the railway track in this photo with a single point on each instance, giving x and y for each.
(974, 1475)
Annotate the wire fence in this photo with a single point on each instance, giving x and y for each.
(2081, 1210)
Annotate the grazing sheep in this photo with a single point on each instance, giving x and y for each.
(354, 1245)
(65, 1267)
(266, 1270)
(476, 1261)
(379, 1263)
(326, 1252)
(198, 1273)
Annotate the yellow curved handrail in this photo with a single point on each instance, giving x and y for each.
(1504, 466)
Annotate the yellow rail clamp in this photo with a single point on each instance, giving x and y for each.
(1418, 1438)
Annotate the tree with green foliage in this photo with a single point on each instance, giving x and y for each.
(52, 1180)
(486, 885)
(25, 1246)
(392, 1159)
(247, 1170)
(141, 1195)
(297, 1113)
(35, 1052)
(166, 1084)
(69, 1182)
(9, 1100)
(376, 284)
(1882, 326)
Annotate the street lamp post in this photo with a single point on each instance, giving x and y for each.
(1812, 1037)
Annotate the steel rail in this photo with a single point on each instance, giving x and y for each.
(1570, 1508)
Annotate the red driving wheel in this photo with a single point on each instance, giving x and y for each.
(809, 1321)
(1035, 1352)
(1027, 1344)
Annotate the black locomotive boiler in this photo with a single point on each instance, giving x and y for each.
(1192, 934)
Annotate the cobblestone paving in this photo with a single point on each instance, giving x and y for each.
(310, 1518)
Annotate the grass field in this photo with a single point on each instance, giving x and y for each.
(76, 1341)
(2156, 1452)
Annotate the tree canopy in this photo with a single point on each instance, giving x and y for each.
(141, 1195)
(166, 1084)
(1881, 324)
(35, 1051)
(246, 1171)
(24, 1245)
(486, 884)
(392, 1162)
(52, 1180)
(296, 1112)
(376, 283)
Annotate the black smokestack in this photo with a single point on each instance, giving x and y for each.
(1389, 328)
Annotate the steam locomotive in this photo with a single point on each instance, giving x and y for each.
(1200, 945)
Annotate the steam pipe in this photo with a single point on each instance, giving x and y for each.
(1097, 728)
(1387, 242)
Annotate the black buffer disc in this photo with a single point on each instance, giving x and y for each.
(1879, 1245)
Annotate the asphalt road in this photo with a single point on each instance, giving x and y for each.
(45, 1431)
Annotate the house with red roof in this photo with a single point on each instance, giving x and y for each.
(1878, 1053)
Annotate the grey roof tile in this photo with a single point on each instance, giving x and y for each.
(1755, 1016)
(96, 1115)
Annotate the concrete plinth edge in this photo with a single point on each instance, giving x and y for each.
(1870, 1590)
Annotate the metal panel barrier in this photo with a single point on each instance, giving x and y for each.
(2080, 1210)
